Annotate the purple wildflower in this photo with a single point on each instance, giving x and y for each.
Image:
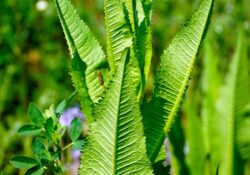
(69, 114)
(76, 154)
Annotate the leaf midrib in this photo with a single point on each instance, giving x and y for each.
(117, 117)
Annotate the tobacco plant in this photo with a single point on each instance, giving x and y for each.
(126, 130)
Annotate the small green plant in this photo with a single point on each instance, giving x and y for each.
(47, 146)
(126, 129)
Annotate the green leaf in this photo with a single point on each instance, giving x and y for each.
(40, 151)
(145, 49)
(61, 106)
(78, 78)
(123, 32)
(211, 81)
(160, 168)
(36, 115)
(231, 104)
(218, 170)
(83, 43)
(62, 130)
(37, 170)
(140, 20)
(49, 127)
(77, 145)
(116, 144)
(75, 129)
(23, 162)
(37, 147)
(118, 33)
(172, 78)
(177, 146)
(29, 130)
(243, 134)
(242, 101)
(196, 155)
(147, 8)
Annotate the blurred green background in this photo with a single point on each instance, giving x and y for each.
(34, 58)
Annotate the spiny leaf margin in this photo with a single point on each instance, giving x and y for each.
(172, 78)
(82, 41)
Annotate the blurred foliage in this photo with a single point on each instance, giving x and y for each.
(48, 146)
(34, 58)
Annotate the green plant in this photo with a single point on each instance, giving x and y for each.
(47, 146)
(222, 133)
(126, 129)
(232, 109)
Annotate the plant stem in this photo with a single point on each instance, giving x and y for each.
(67, 146)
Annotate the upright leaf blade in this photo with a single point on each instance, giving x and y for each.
(172, 78)
(82, 41)
(243, 135)
(243, 103)
(116, 144)
(196, 155)
(211, 81)
(233, 100)
(78, 75)
(140, 20)
(117, 31)
(120, 37)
